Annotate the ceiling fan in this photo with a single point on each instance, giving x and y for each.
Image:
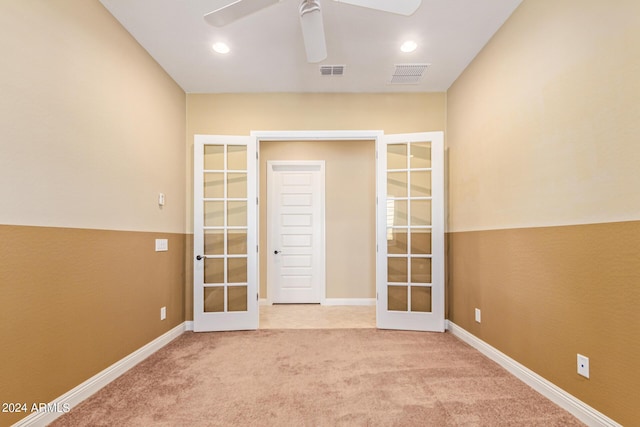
(310, 17)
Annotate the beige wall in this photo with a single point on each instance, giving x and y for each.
(90, 125)
(542, 132)
(350, 226)
(91, 129)
(543, 125)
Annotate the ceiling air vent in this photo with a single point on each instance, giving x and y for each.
(332, 70)
(406, 74)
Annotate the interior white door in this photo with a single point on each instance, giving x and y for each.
(225, 293)
(410, 259)
(295, 193)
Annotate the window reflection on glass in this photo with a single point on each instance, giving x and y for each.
(397, 156)
(397, 184)
(214, 214)
(236, 157)
(213, 157)
(420, 155)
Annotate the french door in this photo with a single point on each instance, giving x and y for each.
(225, 233)
(409, 216)
(410, 257)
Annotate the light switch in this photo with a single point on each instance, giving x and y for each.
(161, 199)
(162, 245)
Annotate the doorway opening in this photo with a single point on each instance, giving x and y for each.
(347, 241)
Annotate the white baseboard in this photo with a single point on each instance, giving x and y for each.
(573, 405)
(92, 385)
(188, 326)
(349, 301)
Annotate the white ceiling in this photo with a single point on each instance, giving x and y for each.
(268, 54)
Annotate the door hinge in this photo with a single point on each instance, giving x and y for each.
(257, 248)
(256, 155)
(376, 296)
(257, 297)
(377, 248)
(257, 201)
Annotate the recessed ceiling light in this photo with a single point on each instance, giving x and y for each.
(221, 48)
(408, 46)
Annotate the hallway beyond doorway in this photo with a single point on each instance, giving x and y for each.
(316, 316)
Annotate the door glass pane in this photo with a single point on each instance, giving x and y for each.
(420, 184)
(396, 241)
(237, 270)
(421, 155)
(237, 242)
(397, 156)
(214, 299)
(420, 212)
(213, 214)
(421, 298)
(421, 270)
(214, 270)
(237, 185)
(397, 270)
(236, 157)
(420, 241)
(214, 157)
(214, 242)
(397, 184)
(397, 298)
(237, 298)
(214, 185)
(237, 214)
(397, 212)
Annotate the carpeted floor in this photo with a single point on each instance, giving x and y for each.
(325, 377)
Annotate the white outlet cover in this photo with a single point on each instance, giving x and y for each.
(162, 245)
(478, 315)
(163, 313)
(583, 365)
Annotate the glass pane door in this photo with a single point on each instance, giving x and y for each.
(411, 252)
(225, 278)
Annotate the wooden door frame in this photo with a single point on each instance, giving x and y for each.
(321, 250)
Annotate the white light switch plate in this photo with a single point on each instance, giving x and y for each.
(162, 245)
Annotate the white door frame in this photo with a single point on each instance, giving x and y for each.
(297, 165)
(320, 135)
(375, 135)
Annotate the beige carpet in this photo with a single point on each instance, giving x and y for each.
(330, 377)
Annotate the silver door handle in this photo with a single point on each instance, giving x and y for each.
(276, 252)
(199, 257)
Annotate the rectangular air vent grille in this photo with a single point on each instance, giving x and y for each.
(408, 73)
(332, 70)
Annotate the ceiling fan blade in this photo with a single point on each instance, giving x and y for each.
(236, 9)
(313, 31)
(401, 7)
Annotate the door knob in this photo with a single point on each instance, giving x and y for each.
(199, 257)
(276, 252)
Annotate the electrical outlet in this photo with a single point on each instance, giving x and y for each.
(163, 313)
(478, 315)
(583, 365)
